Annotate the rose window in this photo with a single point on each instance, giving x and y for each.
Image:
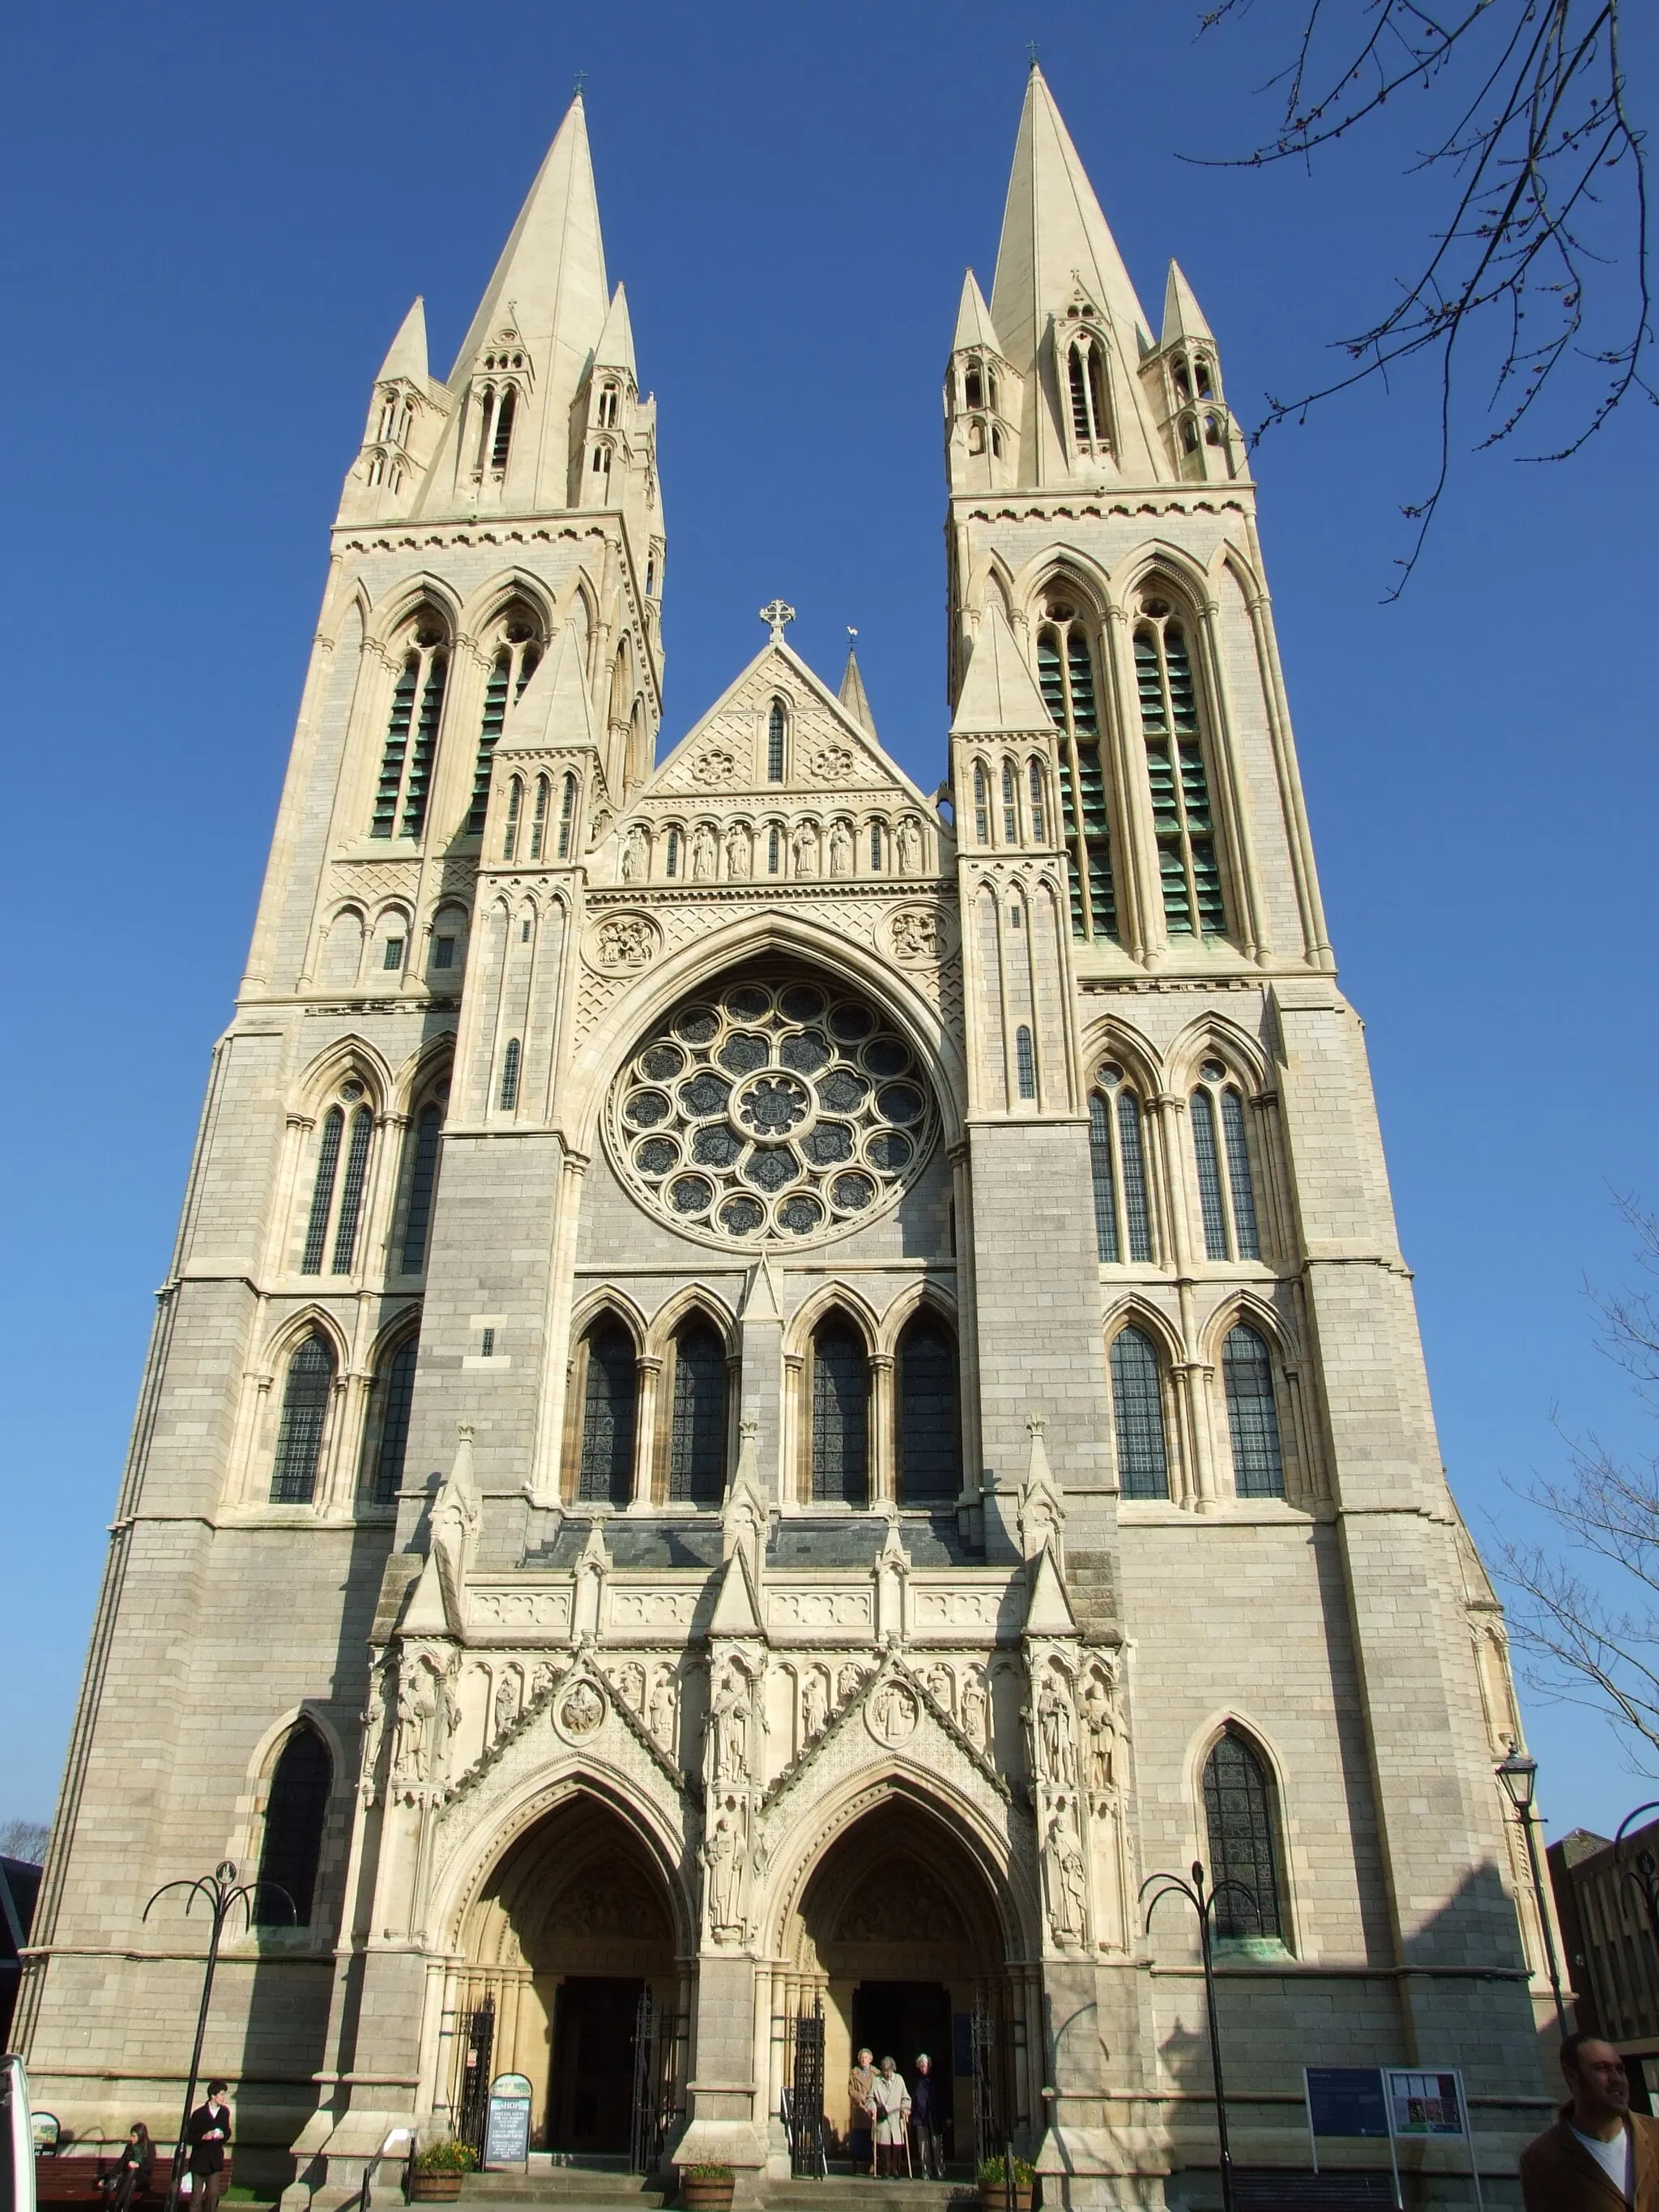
(774, 1110)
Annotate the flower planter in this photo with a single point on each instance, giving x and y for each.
(434, 2188)
(993, 2197)
(706, 2195)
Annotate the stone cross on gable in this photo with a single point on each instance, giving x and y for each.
(777, 613)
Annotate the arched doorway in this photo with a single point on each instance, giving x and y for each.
(572, 1929)
(896, 1933)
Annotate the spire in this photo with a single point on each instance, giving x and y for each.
(550, 283)
(407, 355)
(854, 696)
(616, 347)
(1183, 316)
(554, 711)
(1054, 237)
(974, 324)
(997, 693)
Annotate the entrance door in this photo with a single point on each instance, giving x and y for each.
(591, 2094)
(897, 2019)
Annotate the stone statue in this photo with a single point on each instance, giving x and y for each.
(841, 850)
(1068, 1905)
(975, 1712)
(507, 1702)
(665, 1709)
(635, 854)
(731, 1721)
(814, 1704)
(722, 1857)
(702, 854)
(909, 847)
(415, 1709)
(739, 853)
(849, 1680)
(1056, 1735)
(633, 1685)
(804, 845)
(1097, 1716)
(941, 1688)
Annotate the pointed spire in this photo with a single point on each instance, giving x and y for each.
(550, 283)
(1048, 1612)
(616, 347)
(974, 324)
(553, 709)
(1054, 237)
(998, 694)
(407, 355)
(854, 696)
(1183, 316)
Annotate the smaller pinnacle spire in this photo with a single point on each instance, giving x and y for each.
(616, 347)
(1183, 316)
(974, 324)
(407, 354)
(553, 709)
(852, 694)
(998, 694)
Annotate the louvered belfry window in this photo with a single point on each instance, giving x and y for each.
(1065, 673)
(514, 664)
(1246, 1369)
(299, 1431)
(1143, 1459)
(610, 1401)
(1239, 1812)
(841, 1403)
(411, 736)
(697, 1441)
(1189, 871)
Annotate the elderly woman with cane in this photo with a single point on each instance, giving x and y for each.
(889, 2109)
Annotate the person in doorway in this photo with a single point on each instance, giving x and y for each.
(890, 2108)
(925, 2118)
(208, 2134)
(861, 2082)
(130, 2183)
(1599, 2152)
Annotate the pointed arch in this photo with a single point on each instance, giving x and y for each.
(385, 617)
(309, 1375)
(927, 1409)
(837, 1400)
(1140, 1355)
(1240, 1818)
(296, 1806)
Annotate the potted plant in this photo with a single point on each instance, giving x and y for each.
(993, 2185)
(706, 2188)
(435, 2176)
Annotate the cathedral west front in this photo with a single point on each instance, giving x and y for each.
(774, 1387)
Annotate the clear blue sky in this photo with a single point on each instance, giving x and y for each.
(217, 217)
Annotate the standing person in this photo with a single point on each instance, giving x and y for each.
(1598, 2145)
(130, 2183)
(890, 2107)
(859, 2084)
(925, 2118)
(207, 2132)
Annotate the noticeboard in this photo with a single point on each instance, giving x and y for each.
(1346, 2101)
(507, 2135)
(1425, 2102)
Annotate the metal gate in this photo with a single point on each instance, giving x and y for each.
(654, 2053)
(988, 2105)
(803, 2100)
(472, 2104)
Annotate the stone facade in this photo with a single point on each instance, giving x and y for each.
(793, 1380)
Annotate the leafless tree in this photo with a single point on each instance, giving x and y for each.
(24, 1839)
(1584, 1612)
(1544, 238)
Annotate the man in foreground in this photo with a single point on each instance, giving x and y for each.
(1599, 2154)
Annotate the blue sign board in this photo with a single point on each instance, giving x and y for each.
(1347, 2100)
(507, 2137)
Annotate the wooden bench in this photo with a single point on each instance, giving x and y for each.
(74, 2177)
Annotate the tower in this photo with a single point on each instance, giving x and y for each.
(771, 1391)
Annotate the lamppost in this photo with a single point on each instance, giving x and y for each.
(1519, 1776)
(1645, 1874)
(1172, 1885)
(223, 1893)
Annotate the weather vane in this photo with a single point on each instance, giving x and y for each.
(1034, 50)
(777, 613)
(582, 80)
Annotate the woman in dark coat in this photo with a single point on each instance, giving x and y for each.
(130, 2183)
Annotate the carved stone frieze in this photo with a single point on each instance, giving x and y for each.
(512, 1610)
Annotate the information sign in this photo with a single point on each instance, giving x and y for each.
(507, 2135)
(1424, 2104)
(1347, 2100)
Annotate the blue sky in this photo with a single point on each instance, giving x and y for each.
(219, 217)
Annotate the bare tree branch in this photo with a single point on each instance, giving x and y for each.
(1546, 213)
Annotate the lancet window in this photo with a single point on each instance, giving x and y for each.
(1025, 1054)
(412, 735)
(608, 1389)
(307, 1390)
(1117, 1163)
(291, 1846)
(1222, 1154)
(1065, 672)
(339, 1182)
(1246, 1369)
(1238, 1813)
(1143, 1456)
(515, 810)
(567, 814)
(1085, 386)
(511, 666)
(696, 1415)
(982, 806)
(538, 819)
(776, 729)
(420, 1151)
(1188, 870)
(1039, 805)
(929, 1455)
(839, 1396)
(507, 1096)
(394, 1390)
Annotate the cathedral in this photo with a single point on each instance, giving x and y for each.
(777, 1387)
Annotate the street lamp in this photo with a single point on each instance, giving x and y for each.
(1204, 1904)
(1519, 1776)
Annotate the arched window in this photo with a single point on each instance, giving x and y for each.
(1226, 1201)
(973, 389)
(775, 728)
(1117, 1164)
(608, 406)
(697, 1424)
(1009, 805)
(509, 1089)
(567, 816)
(1067, 674)
(1143, 1459)
(1246, 1369)
(514, 808)
(351, 1192)
(538, 820)
(773, 849)
(1239, 1812)
(875, 848)
(322, 1191)
(1039, 805)
(1187, 867)
(292, 1844)
(514, 664)
(609, 1401)
(1087, 388)
(1025, 1058)
(840, 1400)
(982, 806)
(929, 1448)
(976, 437)
(423, 1145)
(299, 1431)
(602, 470)
(501, 444)
(400, 796)
(396, 1387)
(671, 864)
